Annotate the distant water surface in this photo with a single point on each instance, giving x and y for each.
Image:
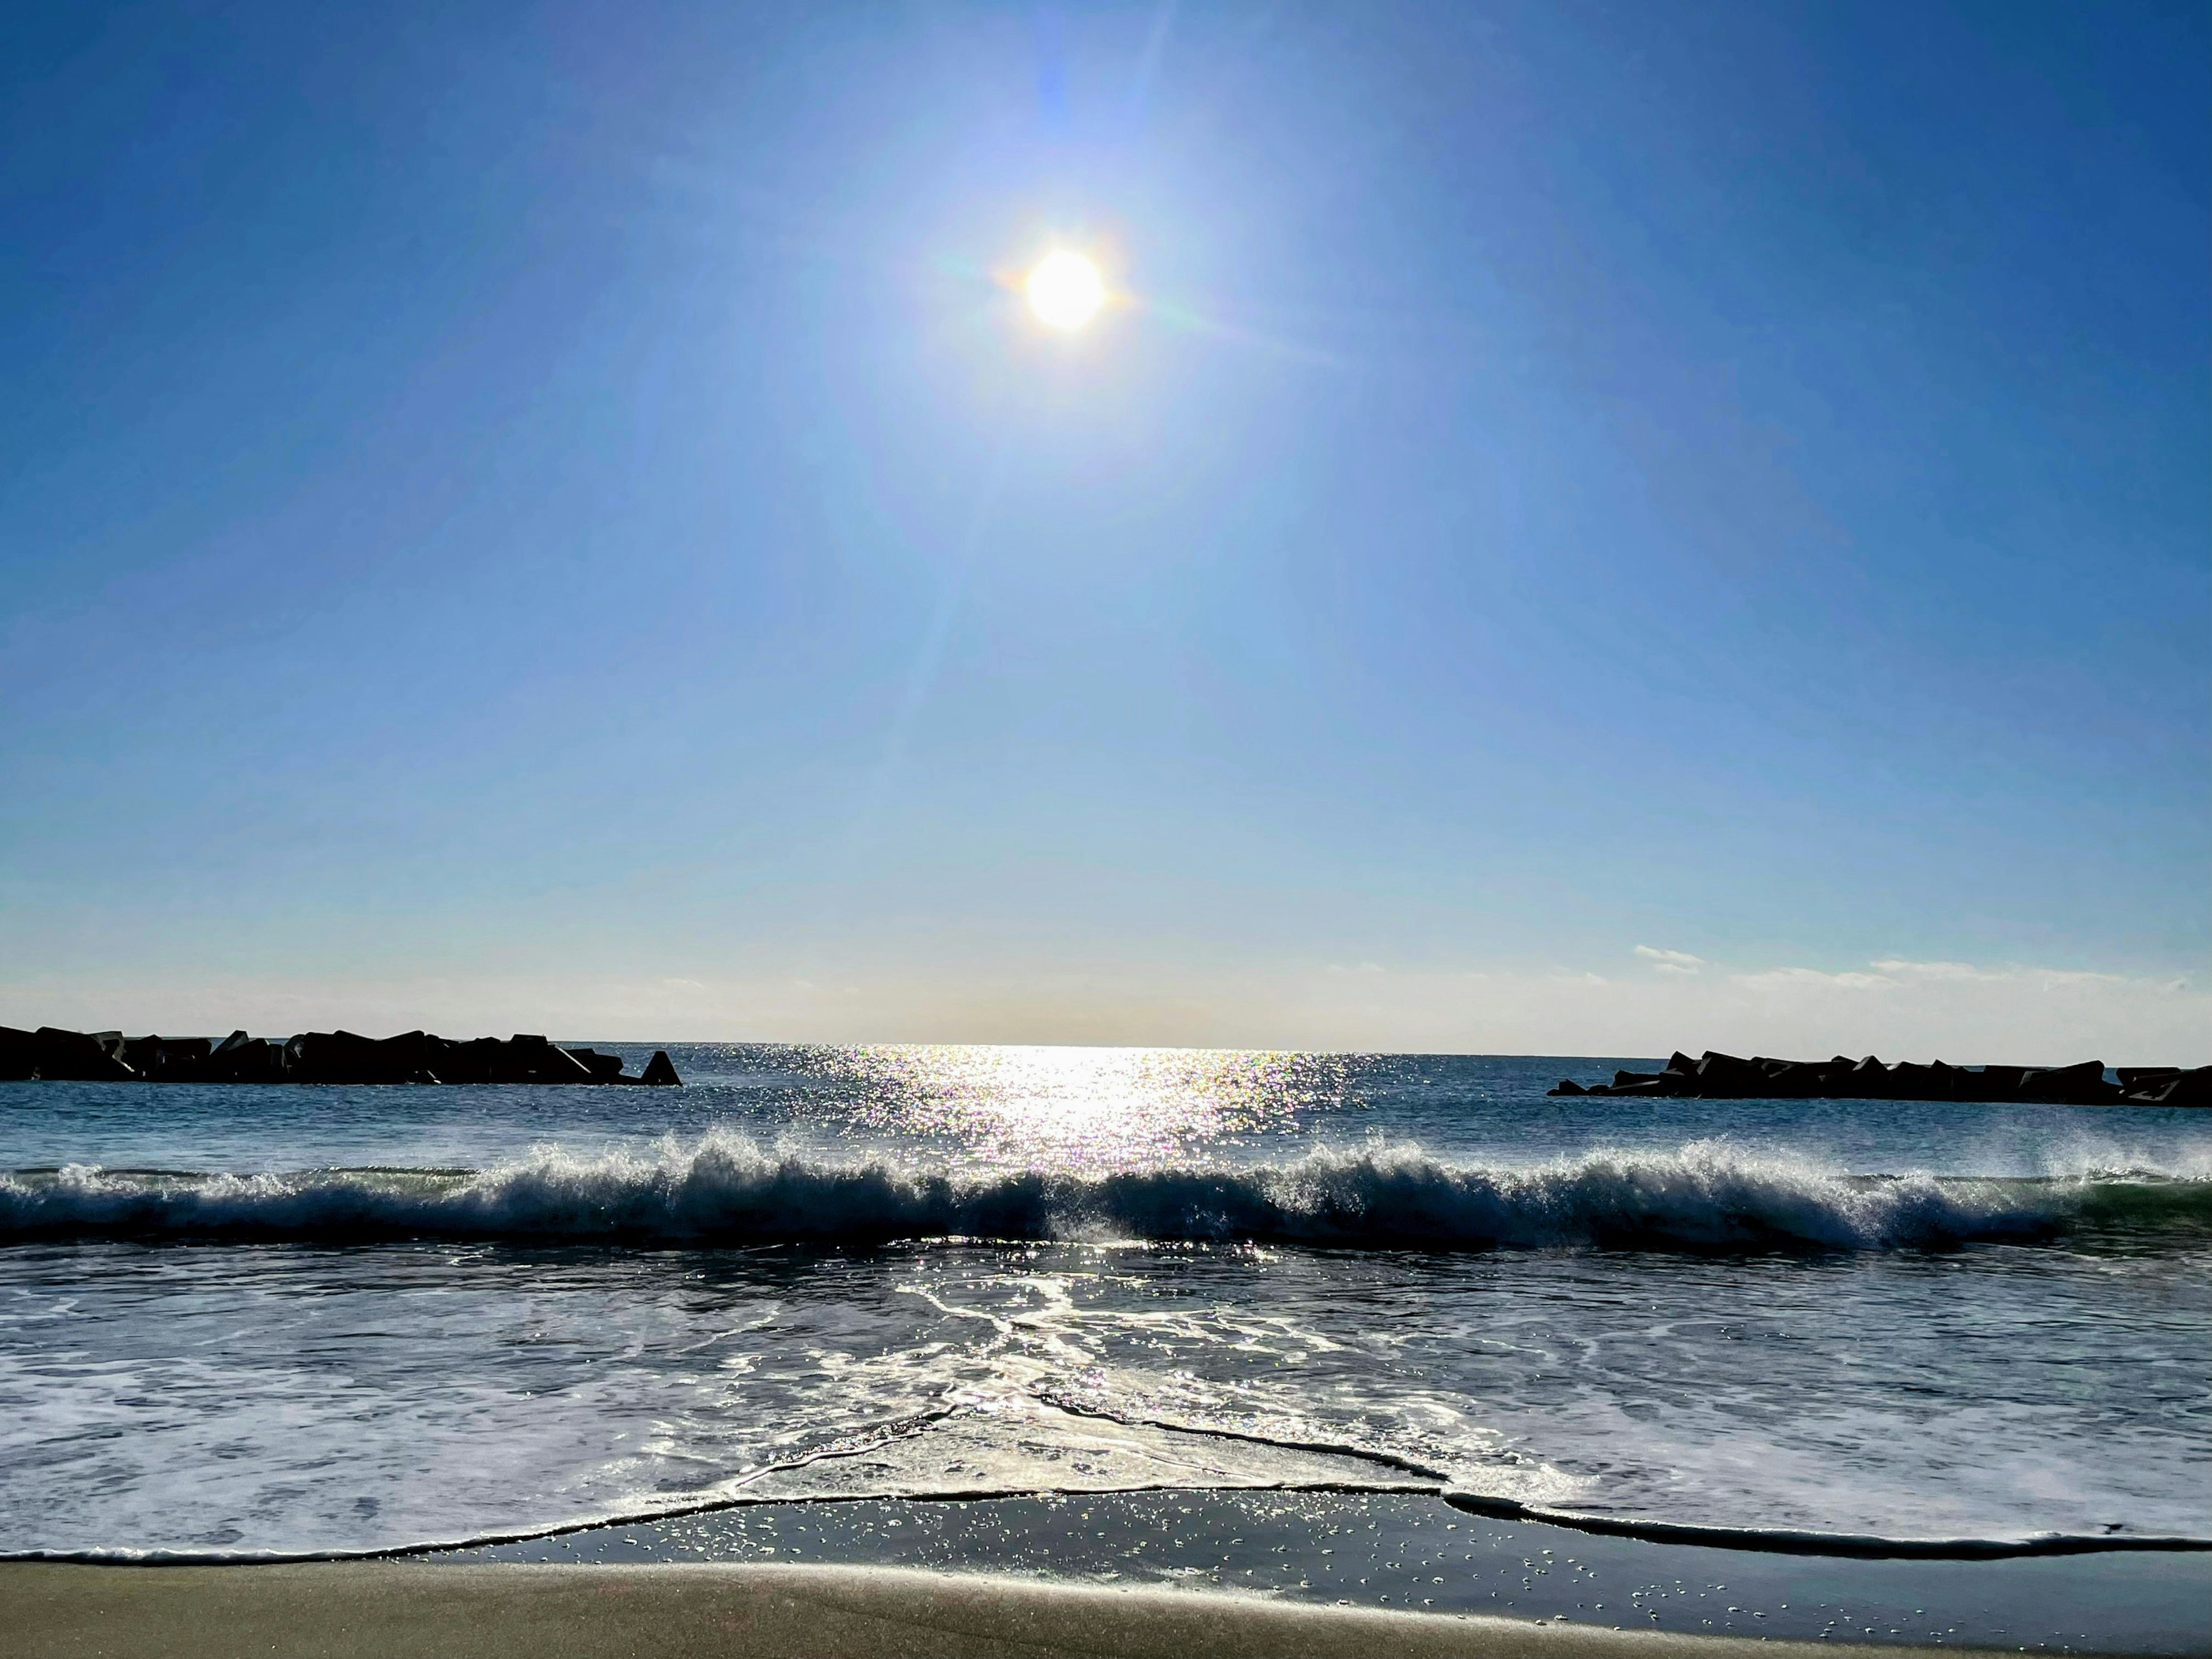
(279, 1319)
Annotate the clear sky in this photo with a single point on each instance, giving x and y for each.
(1585, 527)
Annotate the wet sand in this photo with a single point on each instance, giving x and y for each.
(1409, 1552)
(397, 1609)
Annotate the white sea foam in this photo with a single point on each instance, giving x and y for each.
(727, 1187)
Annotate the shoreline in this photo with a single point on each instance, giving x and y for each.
(1749, 1540)
(1403, 1552)
(1414, 1553)
(335, 1610)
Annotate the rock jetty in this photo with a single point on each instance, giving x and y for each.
(310, 1057)
(1723, 1076)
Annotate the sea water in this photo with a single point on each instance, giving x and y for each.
(246, 1321)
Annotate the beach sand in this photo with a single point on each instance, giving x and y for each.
(393, 1610)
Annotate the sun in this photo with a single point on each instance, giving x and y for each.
(1064, 290)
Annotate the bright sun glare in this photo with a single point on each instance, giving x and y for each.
(1065, 291)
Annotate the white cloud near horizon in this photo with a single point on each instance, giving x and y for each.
(1899, 1009)
(1670, 962)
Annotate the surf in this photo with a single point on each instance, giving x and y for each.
(727, 1188)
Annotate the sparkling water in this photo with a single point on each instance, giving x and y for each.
(248, 1320)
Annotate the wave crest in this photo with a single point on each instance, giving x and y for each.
(724, 1188)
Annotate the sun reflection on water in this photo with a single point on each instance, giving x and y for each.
(1085, 1108)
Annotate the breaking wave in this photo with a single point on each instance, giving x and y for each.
(727, 1189)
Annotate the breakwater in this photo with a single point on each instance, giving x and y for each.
(1724, 1077)
(310, 1057)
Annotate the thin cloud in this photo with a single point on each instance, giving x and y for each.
(1846, 981)
(1896, 973)
(1670, 962)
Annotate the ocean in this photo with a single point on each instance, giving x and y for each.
(247, 1322)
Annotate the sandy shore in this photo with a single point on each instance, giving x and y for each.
(396, 1610)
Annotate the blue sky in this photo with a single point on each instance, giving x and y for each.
(554, 518)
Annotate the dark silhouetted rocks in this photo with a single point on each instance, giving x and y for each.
(2070, 1083)
(1723, 1076)
(603, 1068)
(65, 1056)
(2167, 1086)
(166, 1059)
(533, 1060)
(328, 1057)
(237, 1059)
(343, 1057)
